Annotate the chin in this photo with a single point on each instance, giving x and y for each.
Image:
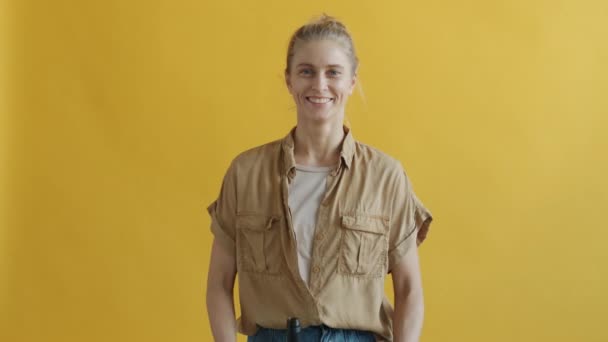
(319, 117)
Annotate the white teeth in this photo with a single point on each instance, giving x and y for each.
(319, 100)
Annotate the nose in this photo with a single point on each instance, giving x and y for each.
(320, 82)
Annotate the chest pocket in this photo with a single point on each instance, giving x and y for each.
(259, 244)
(364, 245)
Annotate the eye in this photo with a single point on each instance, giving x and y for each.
(306, 72)
(334, 73)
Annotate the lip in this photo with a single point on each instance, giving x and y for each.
(331, 99)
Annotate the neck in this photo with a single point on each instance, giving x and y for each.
(318, 144)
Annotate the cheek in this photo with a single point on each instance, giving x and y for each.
(343, 86)
(296, 88)
(297, 94)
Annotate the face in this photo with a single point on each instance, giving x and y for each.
(320, 80)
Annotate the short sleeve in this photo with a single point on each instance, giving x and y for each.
(410, 221)
(223, 212)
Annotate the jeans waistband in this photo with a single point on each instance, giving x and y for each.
(314, 333)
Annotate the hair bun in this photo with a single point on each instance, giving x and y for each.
(327, 20)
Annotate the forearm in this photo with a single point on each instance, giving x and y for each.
(408, 316)
(220, 309)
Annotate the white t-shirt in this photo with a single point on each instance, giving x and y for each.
(306, 192)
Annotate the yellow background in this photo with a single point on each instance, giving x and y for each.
(120, 118)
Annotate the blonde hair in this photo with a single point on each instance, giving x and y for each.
(324, 27)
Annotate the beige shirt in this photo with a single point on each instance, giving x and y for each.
(367, 221)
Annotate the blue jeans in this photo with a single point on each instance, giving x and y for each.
(321, 333)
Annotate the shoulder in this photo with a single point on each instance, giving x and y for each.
(380, 166)
(256, 156)
(376, 159)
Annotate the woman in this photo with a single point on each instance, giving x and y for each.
(313, 222)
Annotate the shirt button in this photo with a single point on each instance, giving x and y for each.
(315, 269)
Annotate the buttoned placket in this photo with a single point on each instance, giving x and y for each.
(290, 248)
(317, 273)
(322, 219)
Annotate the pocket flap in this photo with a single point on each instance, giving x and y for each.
(371, 224)
(255, 221)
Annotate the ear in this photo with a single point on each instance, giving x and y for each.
(353, 81)
(287, 81)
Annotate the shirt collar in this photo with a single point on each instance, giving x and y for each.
(346, 152)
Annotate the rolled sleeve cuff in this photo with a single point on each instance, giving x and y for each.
(396, 254)
(423, 222)
(224, 239)
(414, 239)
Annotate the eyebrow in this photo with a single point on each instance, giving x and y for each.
(331, 65)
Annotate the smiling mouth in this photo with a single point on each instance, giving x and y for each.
(319, 100)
